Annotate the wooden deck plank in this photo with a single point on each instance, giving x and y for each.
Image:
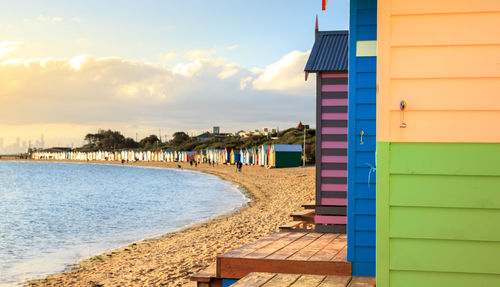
(335, 281)
(294, 253)
(254, 280)
(294, 247)
(330, 250)
(282, 280)
(341, 256)
(314, 247)
(309, 281)
(274, 246)
(362, 282)
(240, 267)
(249, 248)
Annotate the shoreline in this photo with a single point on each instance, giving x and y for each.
(178, 254)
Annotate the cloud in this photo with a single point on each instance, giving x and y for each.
(194, 55)
(7, 48)
(232, 47)
(285, 76)
(110, 92)
(43, 18)
(76, 19)
(167, 57)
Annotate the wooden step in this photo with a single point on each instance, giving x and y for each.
(309, 205)
(288, 252)
(292, 225)
(299, 280)
(306, 215)
(207, 277)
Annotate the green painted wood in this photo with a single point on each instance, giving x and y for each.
(382, 206)
(444, 256)
(445, 158)
(445, 223)
(438, 214)
(288, 159)
(441, 279)
(445, 191)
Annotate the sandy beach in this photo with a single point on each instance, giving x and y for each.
(171, 259)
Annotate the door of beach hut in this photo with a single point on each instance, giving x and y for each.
(438, 143)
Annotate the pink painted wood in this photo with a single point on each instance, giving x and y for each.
(334, 131)
(326, 76)
(334, 116)
(334, 158)
(334, 173)
(334, 201)
(325, 219)
(333, 187)
(334, 88)
(334, 102)
(331, 144)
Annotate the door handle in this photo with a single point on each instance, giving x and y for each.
(361, 134)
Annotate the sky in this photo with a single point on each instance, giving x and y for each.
(68, 68)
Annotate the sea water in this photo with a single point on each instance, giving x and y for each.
(53, 214)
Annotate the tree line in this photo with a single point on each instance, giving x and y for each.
(115, 140)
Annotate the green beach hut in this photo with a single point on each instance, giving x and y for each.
(282, 155)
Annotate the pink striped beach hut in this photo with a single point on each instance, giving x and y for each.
(329, 61)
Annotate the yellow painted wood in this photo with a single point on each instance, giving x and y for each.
(442, 6)
(448, 29)
(446, 94)
(465, 61)
(442, 58)
(445, 126)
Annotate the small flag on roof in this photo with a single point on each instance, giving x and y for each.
(323, 6)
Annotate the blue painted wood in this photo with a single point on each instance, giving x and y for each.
(228, 282)
(361, 157)
(365, 223)
(364, 239)
(363, 267)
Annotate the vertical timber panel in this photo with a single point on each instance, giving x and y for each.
(361, 151)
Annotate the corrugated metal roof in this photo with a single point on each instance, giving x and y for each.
(330, 52)
(288, 148)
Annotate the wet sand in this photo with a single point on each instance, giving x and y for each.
(172, 259)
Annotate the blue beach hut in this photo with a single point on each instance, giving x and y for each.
(362, 137)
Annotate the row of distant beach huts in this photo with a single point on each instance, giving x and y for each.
(276, 155)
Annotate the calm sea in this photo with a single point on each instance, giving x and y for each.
(54, 214)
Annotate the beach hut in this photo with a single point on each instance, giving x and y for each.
(438, 143)
(235, 156)
(281, 155)
(361, 173)
(263, 154)
(329, 60)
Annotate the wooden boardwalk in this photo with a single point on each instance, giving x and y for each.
(288, 252)
(296, 280)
